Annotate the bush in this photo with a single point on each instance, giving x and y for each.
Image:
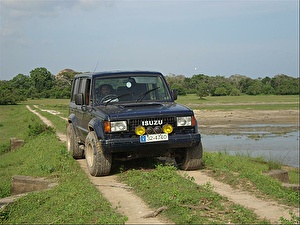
(39, 128)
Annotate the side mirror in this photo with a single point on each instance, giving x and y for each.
(174, 94)
(79, 99)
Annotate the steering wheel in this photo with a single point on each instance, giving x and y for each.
(109, 97)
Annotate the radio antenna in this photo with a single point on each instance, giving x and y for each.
(96, 67)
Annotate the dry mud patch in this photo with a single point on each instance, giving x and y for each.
(235, 121)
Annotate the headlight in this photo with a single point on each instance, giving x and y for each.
(184, 121)
(115, 126)
(118, 126)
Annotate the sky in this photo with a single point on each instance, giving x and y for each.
(255, 38)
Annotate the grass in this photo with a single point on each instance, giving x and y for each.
(244, 102)
(14, 121)
(246, 172)
(60, 105)
(75, 200)
(186, 202)
(58, 122)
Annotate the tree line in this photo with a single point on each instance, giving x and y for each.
(39, 84)
(203, 85)
(42, 84)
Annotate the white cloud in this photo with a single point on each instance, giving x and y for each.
(165, 34)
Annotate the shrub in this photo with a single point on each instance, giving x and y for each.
(39, 128)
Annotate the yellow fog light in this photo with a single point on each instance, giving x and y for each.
(140, 130)
(167, 128)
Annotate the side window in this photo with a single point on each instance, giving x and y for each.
(81, 86)
(87, 91)
(84, 88)
(75, 89)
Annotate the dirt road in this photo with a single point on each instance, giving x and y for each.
(123, 198)
(269, 210)
(61, 136)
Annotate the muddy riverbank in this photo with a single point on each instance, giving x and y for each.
(237, 121)
(271, 134)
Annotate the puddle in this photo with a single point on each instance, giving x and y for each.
(279, 148)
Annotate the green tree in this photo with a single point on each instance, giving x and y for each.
(220, 91)
(188, 86)
(255, 88)
(202, 90)
(177, 82)
(62, 84)
(267, 89)
(244, 84)
(285, 85)
(180, 89)
(8, 94)
(235, 92)
(42, 81)
(21, 84)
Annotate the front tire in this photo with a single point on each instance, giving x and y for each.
(72, 143)
(98, 163)
(191, 158)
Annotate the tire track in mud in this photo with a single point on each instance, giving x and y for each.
(118, 194)
(123, 199)
(269, 210)
(61, 136)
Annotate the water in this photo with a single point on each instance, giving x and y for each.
(283, 149)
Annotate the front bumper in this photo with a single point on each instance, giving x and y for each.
(133, 144)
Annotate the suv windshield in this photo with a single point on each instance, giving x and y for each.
(130, 89)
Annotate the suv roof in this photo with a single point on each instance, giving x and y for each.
(118, 72)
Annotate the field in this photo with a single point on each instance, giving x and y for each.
(75, 200)
(244, 102)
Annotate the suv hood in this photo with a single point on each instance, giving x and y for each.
(133, 110)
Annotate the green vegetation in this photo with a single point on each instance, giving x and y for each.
(186, 202)
(61, 105)
(235, 85)
(243, 102)
(246, 172)
(42, 84)
(75, 200)
(14, 122)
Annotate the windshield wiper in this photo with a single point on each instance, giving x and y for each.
(116, 97)
(142, 96)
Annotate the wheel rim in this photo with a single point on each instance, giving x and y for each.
(89, 155)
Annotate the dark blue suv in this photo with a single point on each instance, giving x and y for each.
(125, 115)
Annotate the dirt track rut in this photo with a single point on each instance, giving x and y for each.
(122, 198)
(269, 210)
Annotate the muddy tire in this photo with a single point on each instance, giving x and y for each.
(190, 158)
(72, 143)
(98, 163)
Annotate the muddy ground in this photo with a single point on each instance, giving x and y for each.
(236, 121)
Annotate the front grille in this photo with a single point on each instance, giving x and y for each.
(133, 123)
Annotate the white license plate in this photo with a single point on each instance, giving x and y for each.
(153, 138)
